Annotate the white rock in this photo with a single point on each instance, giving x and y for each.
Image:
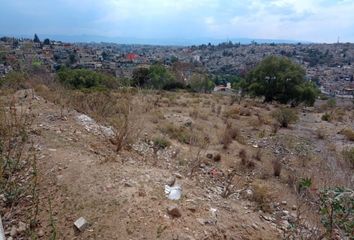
(81, 224)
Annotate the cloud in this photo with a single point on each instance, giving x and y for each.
(314, 20)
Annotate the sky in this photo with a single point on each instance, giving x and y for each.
(302, 20)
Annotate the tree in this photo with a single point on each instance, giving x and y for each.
(159, 76)
(46, 41)
(36, 39)
(279, 79)
(200, 83)
(140, 77)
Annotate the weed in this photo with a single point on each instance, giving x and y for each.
(348, 155)
(262, 197)
(277, 166)
(285, 116)
(161, 142)
(348, 133)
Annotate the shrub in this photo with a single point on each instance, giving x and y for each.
(320, 133)
(348, 155)
(258, 155)
(217, 157)
(326, 117)
(285, 116)
(15, 80)
(348, 133)
(243, 155)
(276, 168)
(331, 103)
(161, 142)
(230, 133)
(262, 197)
(336, 208)
(182, 134)
(87, 79)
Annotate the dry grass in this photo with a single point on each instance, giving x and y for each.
(277, 167)
(262, 197)
(229, 134)
(321, 133)
(348, 133)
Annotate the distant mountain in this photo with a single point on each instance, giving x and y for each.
(157, 41)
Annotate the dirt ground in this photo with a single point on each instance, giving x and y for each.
(122, 195)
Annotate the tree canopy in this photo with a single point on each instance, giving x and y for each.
(156, 76)
(84, 78)
(279, 79)
(36, 39)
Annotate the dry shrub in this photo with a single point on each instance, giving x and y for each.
(285, 116)
(275, 128)
(217, 157)
(262, 197)
(245, 112)
(258, 155)
(348, 133)
(245, 161)
(230, 133)
(18, 172)
(232, 113)
(218, 110)
(180, 133)
(194, 114)
(348, 155)
(321, 133)
(243, 155)
(276, 168)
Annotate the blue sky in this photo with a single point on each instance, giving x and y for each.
(308, 20)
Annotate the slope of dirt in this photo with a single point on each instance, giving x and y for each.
(122, 196)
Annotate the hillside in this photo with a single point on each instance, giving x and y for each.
(221, 153)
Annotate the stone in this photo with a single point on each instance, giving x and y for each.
(284, 203)
(21, 227)
(10, 238)
(201, 221)
(178, 175)
(293, 207)
(209, 155)
(174, 211)
(81, 224)
(40, 233)
(13, 231)
(171, 181)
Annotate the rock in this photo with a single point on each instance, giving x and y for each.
(10, 238)
(171, 181)
(174, 211)
(128, 184)
(22, 227)
(209, 155)
(284, 203)
(81, 224)
(293, 207)
(201, 221)
(40, 233)
(178, 175)
(13, 231)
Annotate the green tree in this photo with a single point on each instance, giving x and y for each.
(46, 41)
(36, 39)
(159, 76)
(140, 77)
(279, 79)
(83, 78)
(201, 83)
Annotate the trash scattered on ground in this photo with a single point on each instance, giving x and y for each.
(81, 224)
(174, 192)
